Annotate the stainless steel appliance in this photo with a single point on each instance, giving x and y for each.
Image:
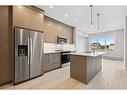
(62, 40)
(65, 58)
(28, 54)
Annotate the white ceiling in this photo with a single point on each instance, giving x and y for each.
(111, 18)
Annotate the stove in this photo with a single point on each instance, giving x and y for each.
(65, 58)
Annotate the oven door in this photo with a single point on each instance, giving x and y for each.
(65, 58)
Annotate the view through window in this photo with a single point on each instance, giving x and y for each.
(103, 43)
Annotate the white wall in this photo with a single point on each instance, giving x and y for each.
(119, 45)
(87, 46)
(125, 42)
(80, 44)
(81, 41)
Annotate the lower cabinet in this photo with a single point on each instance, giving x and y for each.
(84, 68)
(98, 64)
(51, 61)
(91, 68)
(5, 64)
(94, 65)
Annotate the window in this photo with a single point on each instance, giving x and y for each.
(103, 42)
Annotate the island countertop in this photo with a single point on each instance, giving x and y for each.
(88, 54)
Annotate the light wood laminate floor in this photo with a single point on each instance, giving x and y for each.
(112, 76)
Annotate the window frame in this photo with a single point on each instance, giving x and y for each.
(97, 41)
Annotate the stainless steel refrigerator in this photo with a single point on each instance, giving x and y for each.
(28, 54)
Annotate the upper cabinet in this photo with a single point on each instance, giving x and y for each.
(55, 28)
(28, 17)
(34, 18)
(4, 37)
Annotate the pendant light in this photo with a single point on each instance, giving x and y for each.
(91, 22)
(98, 28)
(93, 28)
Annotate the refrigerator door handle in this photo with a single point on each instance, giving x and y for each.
(31, 54)
(28, 40)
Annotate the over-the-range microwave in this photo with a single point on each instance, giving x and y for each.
(62, 40)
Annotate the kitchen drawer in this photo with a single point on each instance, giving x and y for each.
(54, 58)
(51, 61)
(52, 67)
(54, 61)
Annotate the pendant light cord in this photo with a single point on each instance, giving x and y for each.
(91, 14)
(91, 23)
(98, 22)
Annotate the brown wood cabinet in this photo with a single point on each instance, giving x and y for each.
(91, 68)
(99, 64)
(51, 61)
(4, 37)
(84, 68)
(55, 28)
(5, 63)
(22, 16)
(28, 18)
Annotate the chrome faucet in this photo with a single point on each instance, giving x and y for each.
(94, 50)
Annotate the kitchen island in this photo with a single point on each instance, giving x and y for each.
(84, 66)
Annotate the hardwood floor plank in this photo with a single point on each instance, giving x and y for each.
(112, 76)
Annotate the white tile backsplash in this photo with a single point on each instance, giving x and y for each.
(50, 47)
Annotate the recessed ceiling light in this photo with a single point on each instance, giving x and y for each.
(76, 20)
(66, 15)
(51, 6)
(107, 24)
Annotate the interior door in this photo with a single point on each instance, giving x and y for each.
(36, 56)
(21, 55)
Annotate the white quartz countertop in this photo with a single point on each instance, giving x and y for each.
(48, 52)
(52, 52)
(88, 54)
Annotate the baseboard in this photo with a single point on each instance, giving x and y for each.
(5, 83)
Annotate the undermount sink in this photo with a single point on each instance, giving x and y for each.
(88, 52)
